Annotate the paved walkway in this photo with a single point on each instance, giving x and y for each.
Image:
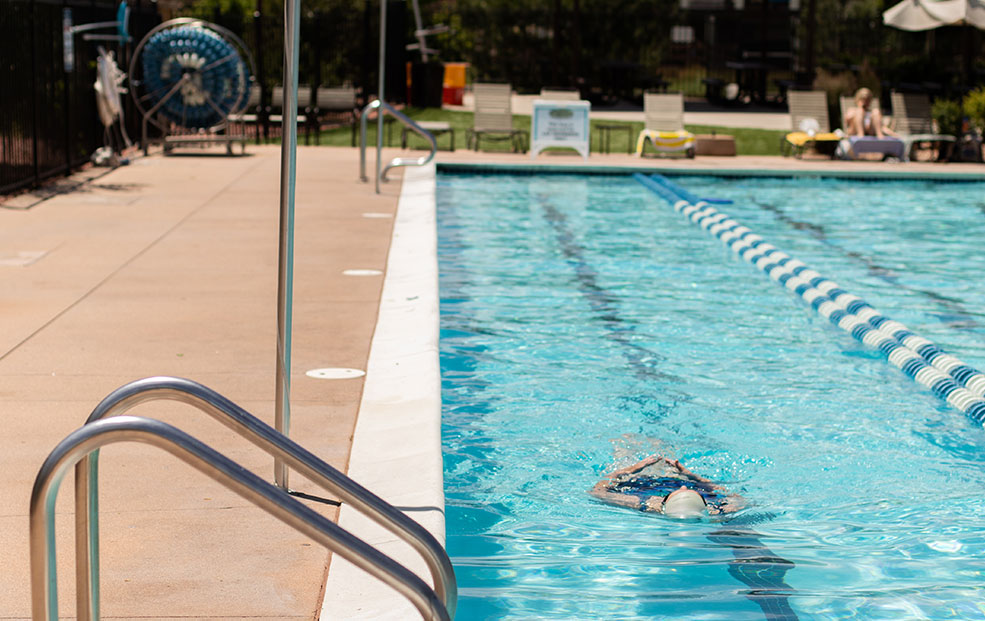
(168, 266)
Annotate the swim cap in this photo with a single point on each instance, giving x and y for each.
(684, 503)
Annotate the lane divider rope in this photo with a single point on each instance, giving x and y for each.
(957, 383)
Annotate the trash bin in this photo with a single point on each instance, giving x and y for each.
(425, 84)
(454, 85)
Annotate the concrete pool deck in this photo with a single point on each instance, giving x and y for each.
(168, 267)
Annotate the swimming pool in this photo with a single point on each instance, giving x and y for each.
(586, 324)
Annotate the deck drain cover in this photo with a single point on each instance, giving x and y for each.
(21, 258)
(335, 373)
(376, 214)
(362, 272)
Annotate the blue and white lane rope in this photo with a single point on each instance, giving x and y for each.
(828, 291)
(958, 384)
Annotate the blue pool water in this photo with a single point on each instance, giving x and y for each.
(585, 324)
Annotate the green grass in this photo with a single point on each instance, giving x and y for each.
(747, 141)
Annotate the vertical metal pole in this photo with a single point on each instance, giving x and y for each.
(379, 91)
(258, 54)
(422, 43)
(34, 99)
(285, 280)
(67, 77)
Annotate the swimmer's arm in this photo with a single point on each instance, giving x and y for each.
(623, 500)
(697, 477)
(634, 468)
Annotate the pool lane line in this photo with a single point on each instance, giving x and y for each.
(601, 301)
(754, 565)
(972, 379)
(878, 331)
(849, 312)
(818, 291)
(855, 316)
(951, 305)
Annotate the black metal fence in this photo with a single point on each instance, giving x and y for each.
(48, 118)
(337, 43)
(611, 49)
(615, 48)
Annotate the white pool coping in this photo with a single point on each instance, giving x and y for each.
(396, 446)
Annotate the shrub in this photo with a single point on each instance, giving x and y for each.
(948, 115)
(974, 107)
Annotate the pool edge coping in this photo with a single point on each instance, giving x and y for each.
(396, 444)
(621, 169)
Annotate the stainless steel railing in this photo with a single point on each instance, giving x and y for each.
(269, 497)
(266, 438)
(383, 106)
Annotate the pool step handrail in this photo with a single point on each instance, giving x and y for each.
(208, 461)
(265, 437)
(382, 107)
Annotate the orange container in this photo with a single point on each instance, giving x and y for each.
(455, 75)
(453, 87)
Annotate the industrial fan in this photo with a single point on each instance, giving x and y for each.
(188, 77)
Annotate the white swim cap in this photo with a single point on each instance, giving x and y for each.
(684, 503)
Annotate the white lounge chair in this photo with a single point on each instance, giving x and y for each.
(809, 120)
(336, 105)
(663, 125)
(494, 117)
(914, 122)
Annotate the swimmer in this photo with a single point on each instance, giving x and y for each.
(659, 485)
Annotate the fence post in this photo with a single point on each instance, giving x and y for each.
(34, 94)
(66, 76)
(258, 43)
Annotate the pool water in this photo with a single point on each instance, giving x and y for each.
(585, 325)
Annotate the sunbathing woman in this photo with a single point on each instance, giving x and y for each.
(865, 119)
(659, 485)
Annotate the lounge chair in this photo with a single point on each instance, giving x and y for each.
(494, 117)
(560, 94)
(663, 118)
(850, 147)
(250, 114)
(809, 120)
(276, 109)
(336, 105)
(914, 124)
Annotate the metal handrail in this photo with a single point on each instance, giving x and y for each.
(397, 161)
(270, 498)
(266, 438)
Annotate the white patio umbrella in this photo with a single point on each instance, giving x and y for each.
(916, 15)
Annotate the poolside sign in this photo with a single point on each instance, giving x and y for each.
(559, 124)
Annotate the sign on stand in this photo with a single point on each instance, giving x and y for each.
(560, 124)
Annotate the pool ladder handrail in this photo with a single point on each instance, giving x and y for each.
(383, 106)
(266, 438)
(267, 496)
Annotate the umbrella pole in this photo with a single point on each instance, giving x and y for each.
(285, 274)
(967, 53)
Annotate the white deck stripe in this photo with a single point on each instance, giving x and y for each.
(396, 447)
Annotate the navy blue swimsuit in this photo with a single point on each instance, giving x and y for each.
(646, 486)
